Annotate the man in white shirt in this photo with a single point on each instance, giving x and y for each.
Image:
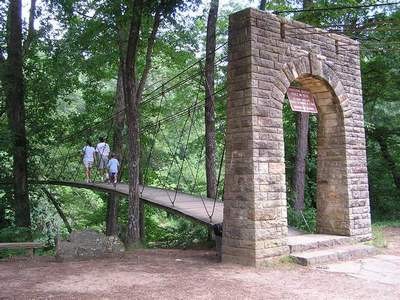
(88, 159)
(103, 151)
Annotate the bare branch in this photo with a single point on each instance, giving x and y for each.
(31, 28)
(57, 206)
(85, 15)
(150, 46)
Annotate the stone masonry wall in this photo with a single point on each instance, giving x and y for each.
(266, 54)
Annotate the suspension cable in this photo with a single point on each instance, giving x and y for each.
(219, 176)
(184, 155)
(191, 66)
(147, 166)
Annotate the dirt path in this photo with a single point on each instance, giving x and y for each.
(179, 274)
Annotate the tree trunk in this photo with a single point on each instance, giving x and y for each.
(57, 206)
(118, 124)
(133, 90)
(390, 162)
(14, 84)
(301, 154)
(112, 214)
(119, 118)
(300, 163)
(130, 87)
(132, 119)
(132, 116)
(262, 4)
(142, 214)
(210, 100)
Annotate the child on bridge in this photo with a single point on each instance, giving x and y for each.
(113, 165)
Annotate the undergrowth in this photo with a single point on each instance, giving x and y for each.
(164, 230)
(305, 221)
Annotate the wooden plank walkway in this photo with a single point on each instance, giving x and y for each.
(185, 204)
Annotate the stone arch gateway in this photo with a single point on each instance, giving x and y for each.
(266, 54)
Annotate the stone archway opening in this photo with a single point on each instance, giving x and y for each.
(263, 61)
(331, 183)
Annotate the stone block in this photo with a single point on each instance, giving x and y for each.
(261, 67)
(88, 244)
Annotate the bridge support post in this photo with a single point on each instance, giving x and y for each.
(262, 63)
(142, 216)
(112, 214)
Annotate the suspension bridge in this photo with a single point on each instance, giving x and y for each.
(201, 209)
(172, 153)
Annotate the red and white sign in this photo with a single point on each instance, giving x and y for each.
(301, 100)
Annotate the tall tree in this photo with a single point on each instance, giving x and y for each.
(210, 100)
(302, 120)
(117, 146)
(133, 85)
(13, 82)
(133, 89)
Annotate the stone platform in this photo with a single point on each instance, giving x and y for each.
(304, 242)
(314, 249)
(380, 268)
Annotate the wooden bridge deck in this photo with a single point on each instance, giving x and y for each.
(187, 205)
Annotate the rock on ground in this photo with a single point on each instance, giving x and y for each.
(88, 243)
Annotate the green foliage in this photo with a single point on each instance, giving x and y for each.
(305, 220)
(15, 234)
(381, 79)
(378, 232)
(387, 223)
(378, 238)
(164, 230)
(86, 209)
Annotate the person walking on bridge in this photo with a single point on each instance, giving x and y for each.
(103, 151)
(88, 156)
(113, 166)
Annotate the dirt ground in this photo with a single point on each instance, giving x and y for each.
(183, 274)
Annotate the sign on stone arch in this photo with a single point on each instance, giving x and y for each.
(266, 54)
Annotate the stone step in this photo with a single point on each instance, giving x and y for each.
(315, 257)
(305, 242)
